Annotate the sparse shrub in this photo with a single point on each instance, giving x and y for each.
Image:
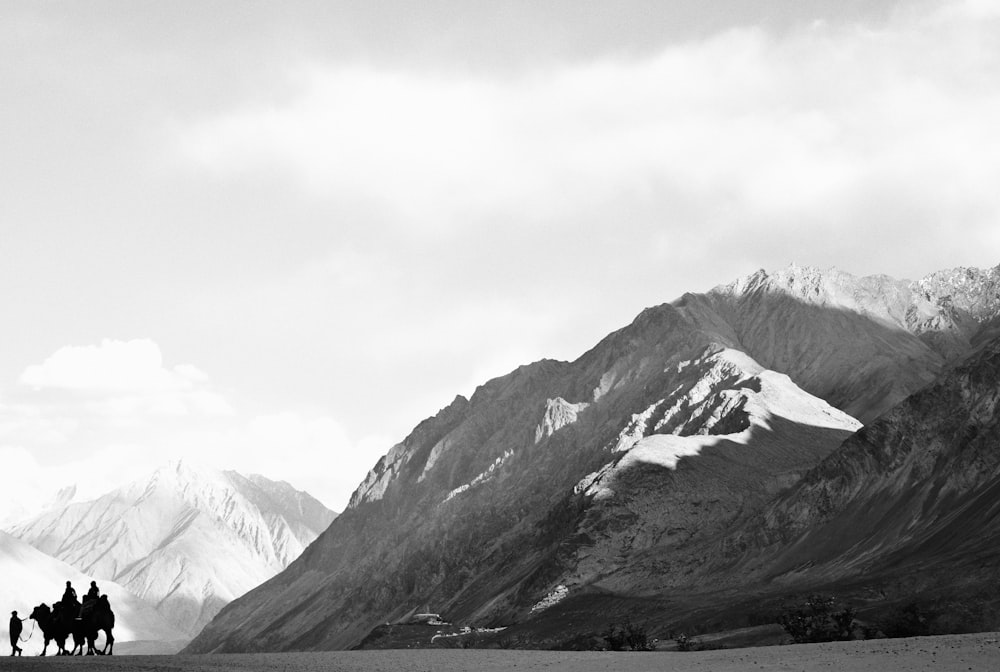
(629, 637)
(684, 643)
(473, 641)
(614, 638)
(513, 642)
(818, 620)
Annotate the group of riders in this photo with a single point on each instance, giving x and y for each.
(69, 601)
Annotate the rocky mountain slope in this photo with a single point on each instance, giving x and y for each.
(31, 578)
(910, 502)
(863, 344)
(905, 515)
(616, 473)
(186, 540)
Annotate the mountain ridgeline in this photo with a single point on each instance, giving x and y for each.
(706, 453)
(186, 539)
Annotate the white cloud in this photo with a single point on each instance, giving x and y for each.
(846, 125)
(25, 422)
(971, 9)
(22, 488)
(312, 452)
(99, 416)
(207, 402)
(112, 366)
(123, 381)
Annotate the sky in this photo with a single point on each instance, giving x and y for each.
(275, 236)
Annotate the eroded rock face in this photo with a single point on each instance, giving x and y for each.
(616, 471)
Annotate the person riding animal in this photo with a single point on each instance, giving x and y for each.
(70, 600)
(69, 595)
(89, 599)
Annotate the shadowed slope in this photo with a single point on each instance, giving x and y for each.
(918, 492)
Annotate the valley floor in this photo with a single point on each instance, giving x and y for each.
(977, 652)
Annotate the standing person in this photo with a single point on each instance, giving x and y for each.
(15, 633)
(93, 593)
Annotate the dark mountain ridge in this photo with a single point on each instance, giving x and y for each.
(619, 473)
(918, 489)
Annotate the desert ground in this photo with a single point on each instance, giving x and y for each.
(977, 652)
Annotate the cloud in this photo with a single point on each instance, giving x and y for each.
(311, 451)
(26, 422)
(123, 380)
(21, 483)
(99, 416)
(112, 366)
(90, 414)
(825, 124)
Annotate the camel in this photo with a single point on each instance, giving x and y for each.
(58, 623)
(53, 628)
(98, 616)
(65, 616)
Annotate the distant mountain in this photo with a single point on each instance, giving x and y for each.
(31, 578)
(617, 479)
(185, 539)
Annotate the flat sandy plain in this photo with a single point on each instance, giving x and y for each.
(977, 652)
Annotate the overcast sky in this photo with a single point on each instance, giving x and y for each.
(274, 236)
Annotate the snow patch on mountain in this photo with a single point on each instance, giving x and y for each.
(732, 391)
(480, 478)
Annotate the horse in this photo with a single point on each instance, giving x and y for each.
(97, 616)
(53, 628)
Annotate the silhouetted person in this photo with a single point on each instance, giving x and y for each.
(89, 599)
(69, 595)
(15, 633)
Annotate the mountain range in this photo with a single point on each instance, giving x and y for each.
(767, 438)
(30, 578)
(185, 540)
